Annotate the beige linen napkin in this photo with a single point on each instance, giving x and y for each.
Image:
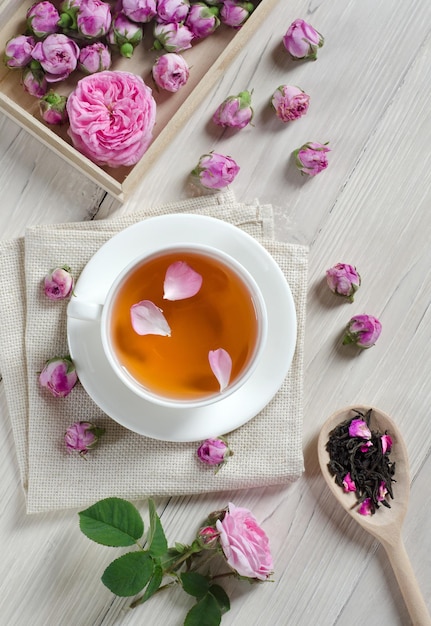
(267, 450)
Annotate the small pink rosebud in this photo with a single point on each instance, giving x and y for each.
(93, 58)
(172, 37)
(42, 19)
(58, 284)
(52, 108)
(208, 536)
(359, 428)
(18, 51)
(362, 331)
(82, 437)
(172, 10)
(34, 81)
(140, 11)
(124, 34)
(366, 507)
(214, 451)
(58, 55)
(170, 71)
(234, 13)
(235, 111)
(93, 18)
(215, 171)
(311, 158)
(302, 40)
(202, 20)
(343, 280)
(289, 102)
(387, 442)
(58, 376)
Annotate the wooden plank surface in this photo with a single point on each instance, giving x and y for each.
(370, 94)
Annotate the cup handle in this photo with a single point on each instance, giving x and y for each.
(84, 310)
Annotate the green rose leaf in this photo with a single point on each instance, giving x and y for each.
(128, 575)
(221, 596)
(157, 544)
(153, 585)
(206, 612)
(112, 522)
(195, 584)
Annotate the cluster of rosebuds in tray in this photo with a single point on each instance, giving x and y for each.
(84, 35)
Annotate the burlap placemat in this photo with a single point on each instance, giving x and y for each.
(267, 450)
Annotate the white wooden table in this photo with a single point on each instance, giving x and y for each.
(370, 97)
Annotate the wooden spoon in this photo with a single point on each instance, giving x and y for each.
(386, 523)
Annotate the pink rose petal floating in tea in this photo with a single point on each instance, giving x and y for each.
(148, 319)
(221, 365)
(181, 281)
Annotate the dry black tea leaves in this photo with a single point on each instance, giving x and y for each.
(360, 463)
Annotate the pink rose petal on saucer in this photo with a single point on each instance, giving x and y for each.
(181, 281)
(221, 365)
(148, 319)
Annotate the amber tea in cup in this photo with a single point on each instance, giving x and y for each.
(227, 312)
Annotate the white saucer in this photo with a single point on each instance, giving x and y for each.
(151, 420)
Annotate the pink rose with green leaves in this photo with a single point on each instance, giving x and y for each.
(173, 37)
(362, 331)
(42, 19)
(343, 280)
(172, 10)
(202, 20)
(302, 41)
(234, 111)
(52, 107)
(82, 437)
(124, 35)
(234, 13)
(95, 57)
(215, 171)
(311, 158)
(58, 55)
(58, 284)
(18, 51)
(245, 544)
(111, 116)
(34, 80)
(214, 451)
(289, 102)
(93, 18)
(58, 376)
(140, 11)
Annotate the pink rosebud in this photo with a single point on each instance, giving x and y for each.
(18, 51)
(208, 537)
(311, 158)
(366, 507)
(387, 442)
(93, 18)
(111, 116)
(362, 331)
(42, 19)
(202, 20)
(359, 428)
(95, 57)
(58, 284)
(244, 543)
(82, 437)
(52, 108)
(235, 111)
(170, 71)
(215, 171)
(172, 10)
(140, 11)
(234, 13)
(58, 56)
(58, 376)
(302, 40)
(125, 35)
(214, 452)
(290, 103)
(343, 280)
(221, 366)
(172, 37)
(34, 81)
(348, 483)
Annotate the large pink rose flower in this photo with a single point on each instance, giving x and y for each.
(111, 116)
(244, 543)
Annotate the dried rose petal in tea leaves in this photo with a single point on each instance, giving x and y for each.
(359, 461)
